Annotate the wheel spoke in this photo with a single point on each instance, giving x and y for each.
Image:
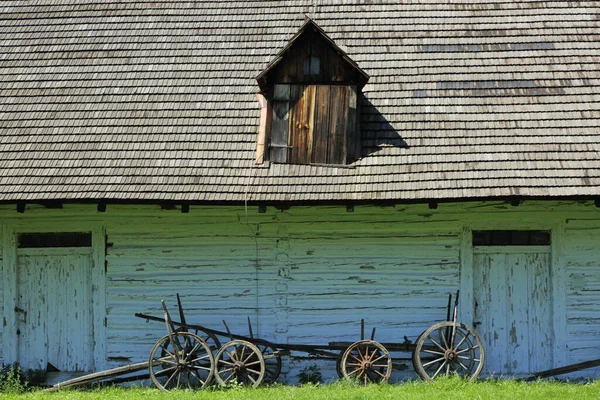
(434, 361)
(198, 377)
(226, 362)
(443, 335)
(169, 353)
(461, 364)
(433, 352)
(167, 361)
(353, 356)
(253, 370)
(229, 377)
(231, 356)
(436, 343)
(439, 369)
(194, 349)
(379, 366)
(252, 379)
(170, 378)
(470, 348)
(378, 373)
(204, 357)
(378, 358)
(253, 363)
(226, 369)
(199, 367)
(462, 341)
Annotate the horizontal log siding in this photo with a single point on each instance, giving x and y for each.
(309, 283)
(582, 258)
(308, 275)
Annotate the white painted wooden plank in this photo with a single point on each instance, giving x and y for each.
(518, 330)
(9, 267)
(31, 329)
(541, 336)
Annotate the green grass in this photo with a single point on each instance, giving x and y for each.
(449, 388)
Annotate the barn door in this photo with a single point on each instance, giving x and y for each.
(513, 307)
(54, 309)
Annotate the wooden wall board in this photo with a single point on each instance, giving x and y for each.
(395, 265)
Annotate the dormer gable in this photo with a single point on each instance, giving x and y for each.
(311, 89)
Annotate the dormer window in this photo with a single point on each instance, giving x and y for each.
(312, 90)
(312, 65)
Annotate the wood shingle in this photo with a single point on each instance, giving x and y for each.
(154, 100)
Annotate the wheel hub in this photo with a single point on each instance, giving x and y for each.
(450, 355)
(239, 367)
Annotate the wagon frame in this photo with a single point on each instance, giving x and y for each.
(186, 359)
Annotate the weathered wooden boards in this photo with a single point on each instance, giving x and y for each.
(392, 265)
(314, 124)
(99, 376)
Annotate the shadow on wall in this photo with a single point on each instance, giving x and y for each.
(376, 131)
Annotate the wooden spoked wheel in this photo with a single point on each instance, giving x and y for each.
(367, 361)
(338, 365)
(211, 340)
(448, 348)
(240, 362)
(181, 360)
(272, 363)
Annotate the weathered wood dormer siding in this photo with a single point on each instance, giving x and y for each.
(334, 66)
(313, 89)
(314, 124)
(308, 275)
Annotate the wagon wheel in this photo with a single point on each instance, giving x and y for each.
(448, 348)
(211, 340)
(240, 362)
(367, 361)
(338, 364)
(272, 363)
(181, 360)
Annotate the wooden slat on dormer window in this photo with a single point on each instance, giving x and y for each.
(313, 124)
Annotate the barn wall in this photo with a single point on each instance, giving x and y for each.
(300, 280)
(582, 258)
(309, 275)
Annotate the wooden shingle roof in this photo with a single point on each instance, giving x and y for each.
(135, 100)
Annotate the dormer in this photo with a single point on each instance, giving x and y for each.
(311, 91)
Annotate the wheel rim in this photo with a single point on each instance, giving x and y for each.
(366, 361)
(272, 363)
(181, 361)
(211, 340)
(448, 349)
(240, 362)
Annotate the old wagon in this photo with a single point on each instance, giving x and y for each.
(192, 356)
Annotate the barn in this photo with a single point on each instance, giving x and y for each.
(304, 165)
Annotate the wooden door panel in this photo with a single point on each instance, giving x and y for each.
(56, 293)
(513, 310)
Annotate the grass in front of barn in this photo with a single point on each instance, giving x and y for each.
(447, 388)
